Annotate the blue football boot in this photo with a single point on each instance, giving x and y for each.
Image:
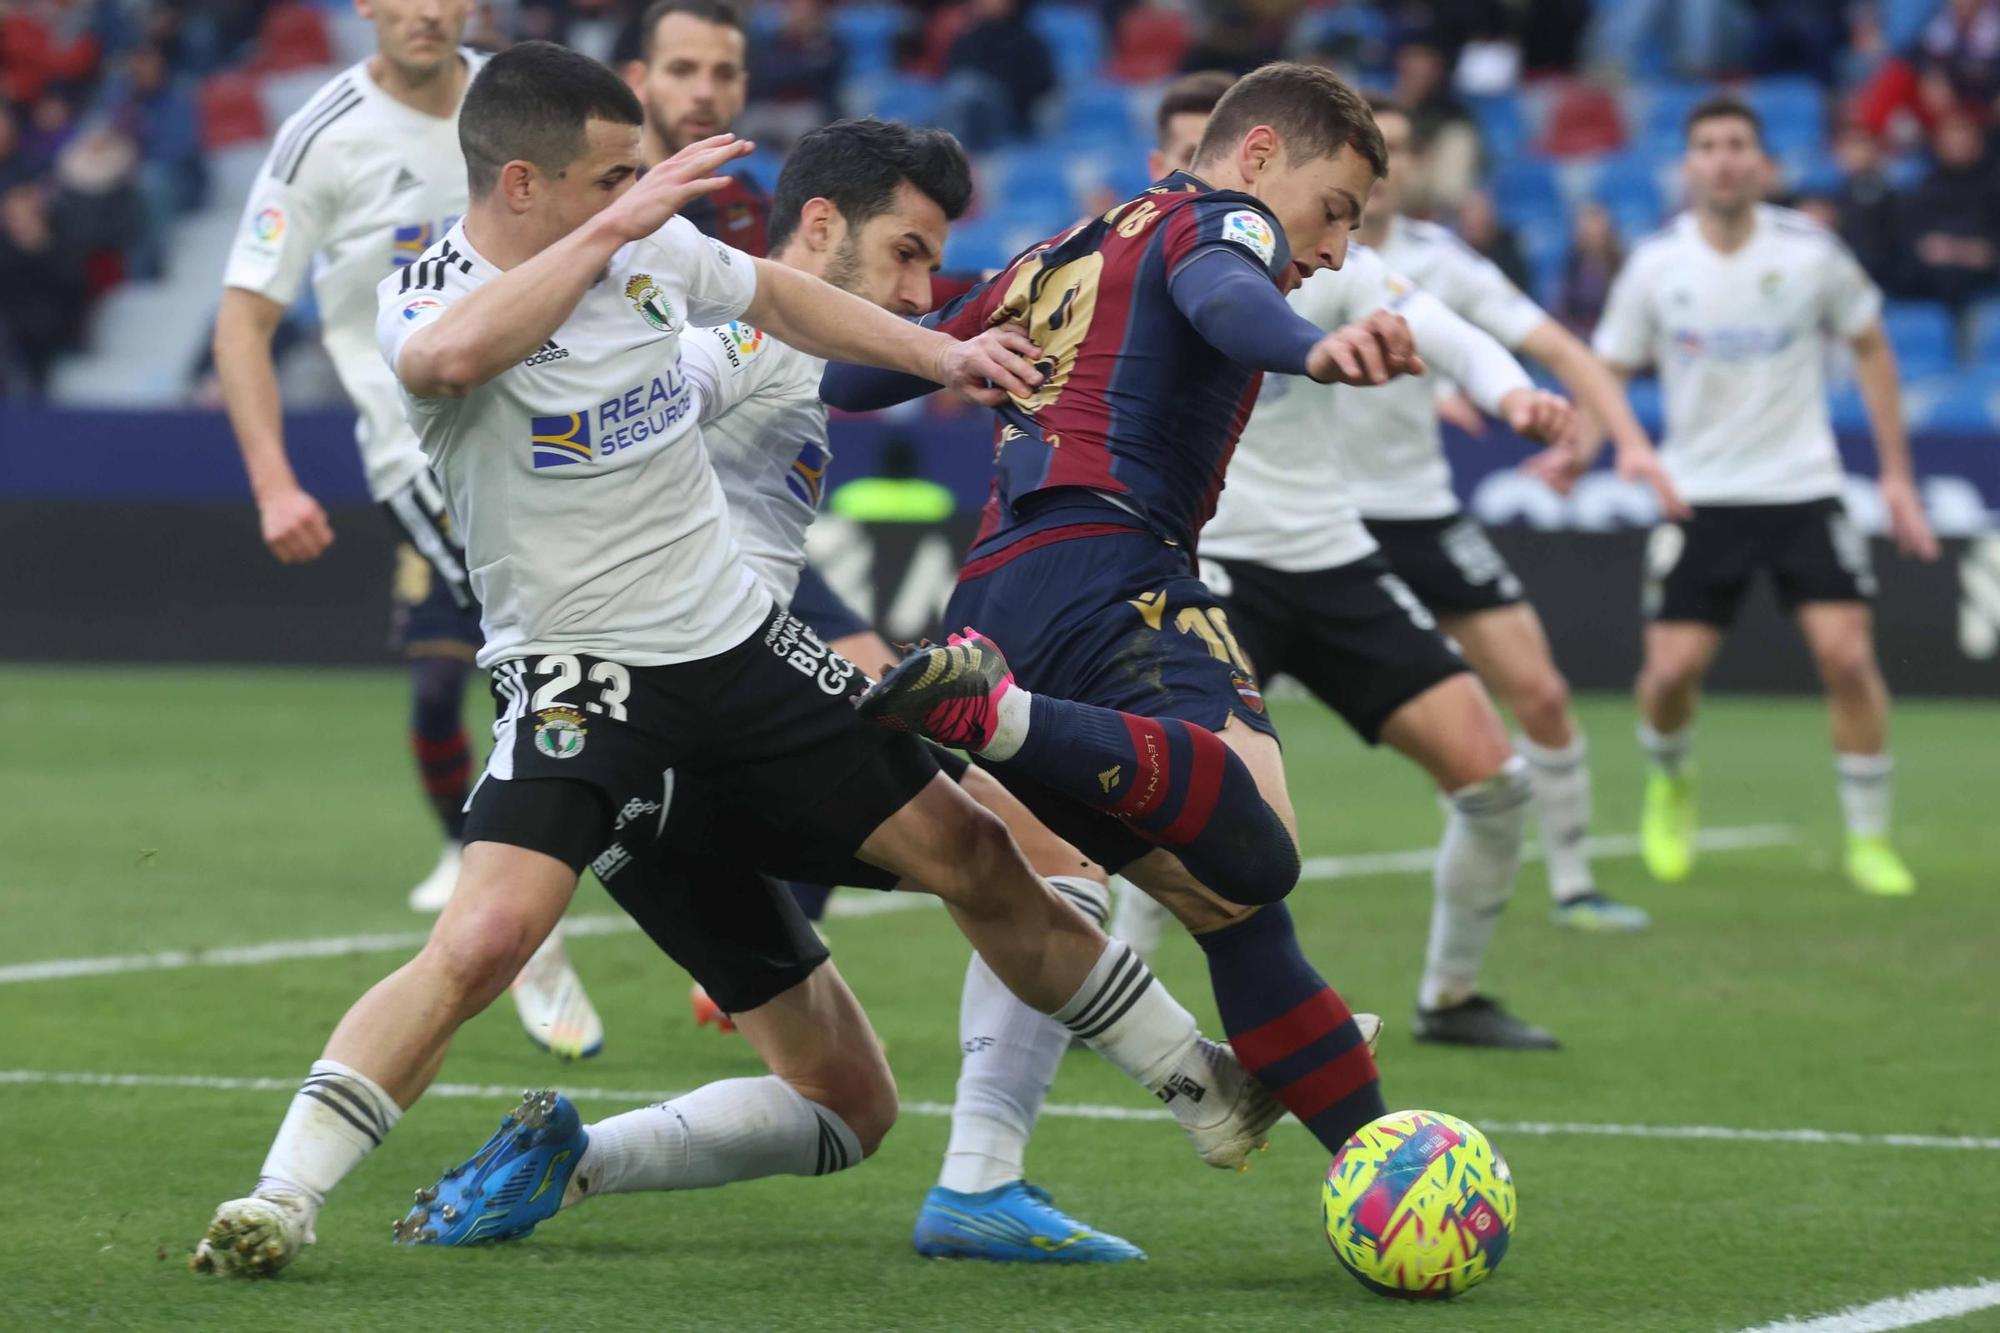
(1013, 1224)
(509, 1186)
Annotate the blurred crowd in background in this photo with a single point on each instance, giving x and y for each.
(1548, 131)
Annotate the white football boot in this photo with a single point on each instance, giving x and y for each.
(555, 1011)
(254, 1237)
(1249, 1109)
(434, 890)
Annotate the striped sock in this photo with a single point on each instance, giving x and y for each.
(438, 739)
(338, 1116)
(1290, 1028)
(1127, 1017)
(1175, 784)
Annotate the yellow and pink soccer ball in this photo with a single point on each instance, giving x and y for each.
(1418, 1205)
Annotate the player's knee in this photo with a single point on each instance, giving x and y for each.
(861, 1091)
(1541, 703)
(977, 840)
(1253, 866)
(1848, 666)
(438, 687)
(475, 954)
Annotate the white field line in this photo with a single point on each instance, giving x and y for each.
(847, 905)
(1905, 1311)
(1060, 1110)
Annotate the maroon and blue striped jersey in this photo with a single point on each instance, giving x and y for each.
(1135, 404)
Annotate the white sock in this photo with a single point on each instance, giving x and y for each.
(738, 1129)
(1011, 1056)
(1138, 920)
(1866, 783)
(1474, 879)
(1669, 750)
(1561, 779)
(337, 1117)
(1126, 1016)
(1011, 732)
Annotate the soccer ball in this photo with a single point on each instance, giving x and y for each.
(1418, 1205)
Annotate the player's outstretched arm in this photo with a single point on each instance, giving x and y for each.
(829, 323)
(504, 321)
(1881, 393)
(294, 525)
(1600, 395)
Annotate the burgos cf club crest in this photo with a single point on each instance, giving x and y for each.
(651, 303)
(560, 732)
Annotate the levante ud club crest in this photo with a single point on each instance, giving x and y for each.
(651, 303)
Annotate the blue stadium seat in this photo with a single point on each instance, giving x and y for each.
(1629, 185)
(761, 166)
(1793, 110)
(1922, 335)
(911, 101)
(1501, 124)
(1965, 400)
(868, 36)
(1666, 108)
(1546, 246)
(1902, 20)
(988, 242)
(1985, 321)
(1099, 112)
(1525, 190)
(1028, 186)
(1075, 38)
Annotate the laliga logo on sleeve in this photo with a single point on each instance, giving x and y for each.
(268, 225)
(1247, 228)
(414, 310)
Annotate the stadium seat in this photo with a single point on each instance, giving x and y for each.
(294, 36)
(1902, 20)
(1583, 119)
(868, 36)
(1525, 189)
(1665, 108)
(1984, 343)
(231, 111)
(1098, 113)
(1026, 186)
(1964, 400)
(1075, 38)
(1793, 111)
(912, 101)
(1502, 126)
(1354, 35)
(1150, 45)
(987, 242)
(1923, 337)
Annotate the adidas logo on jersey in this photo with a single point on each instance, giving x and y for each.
(405, 180)
(549, 352)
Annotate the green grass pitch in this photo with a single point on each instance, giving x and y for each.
(182, 809)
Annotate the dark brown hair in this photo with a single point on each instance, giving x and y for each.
(1314, 111)
(1723, 107)
(1191, 95)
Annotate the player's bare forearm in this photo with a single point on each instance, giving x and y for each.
(1875, 374)
(502, 322)
(1598, 390)
(245, 324)
(818, 318)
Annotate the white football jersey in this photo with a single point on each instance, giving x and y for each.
(355, 184)
(592, 520)
(1740, 341)
(1394, 454)
(1289, 501)
(765, 426)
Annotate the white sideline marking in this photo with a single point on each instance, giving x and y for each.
(1060, 1110)
(855, 904)
(1743, 838)
(1905, 1311)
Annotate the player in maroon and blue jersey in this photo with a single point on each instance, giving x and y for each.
(1131, 723)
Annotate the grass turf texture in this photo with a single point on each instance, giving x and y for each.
(178, 808)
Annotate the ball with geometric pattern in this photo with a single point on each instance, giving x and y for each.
(1418, 1205)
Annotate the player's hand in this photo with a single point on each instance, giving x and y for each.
(669, 187)
(1373, 351)
(1558, 466)
(295, 527)
(1456, 409)
(1644, 467)
(1907, 521)
(1537, 414)
(997, 365)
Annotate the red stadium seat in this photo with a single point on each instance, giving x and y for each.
(232, 111)
(1151, 44)
(1584, 119)
(293, 37)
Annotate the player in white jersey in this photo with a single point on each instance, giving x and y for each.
(361, 180)
(1393, 457)
(1737, 303)
(635, 655)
